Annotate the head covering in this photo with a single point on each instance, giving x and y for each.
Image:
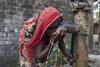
(44, 20)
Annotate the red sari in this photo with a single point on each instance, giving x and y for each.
(45, 19)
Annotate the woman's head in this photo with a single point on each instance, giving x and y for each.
(53, 27)
(47, 22)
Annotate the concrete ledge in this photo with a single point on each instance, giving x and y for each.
(93, 57)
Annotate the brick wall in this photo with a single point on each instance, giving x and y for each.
(12, 15)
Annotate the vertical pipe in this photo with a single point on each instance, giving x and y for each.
(81, 36)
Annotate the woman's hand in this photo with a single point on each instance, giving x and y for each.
(72, 58)
(58, 35)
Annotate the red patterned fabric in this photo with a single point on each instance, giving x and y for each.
(45, 19)
(26, 24)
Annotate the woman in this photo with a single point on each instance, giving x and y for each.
(38, 35)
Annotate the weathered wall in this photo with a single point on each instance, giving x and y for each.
(12, 15)
(11, 18)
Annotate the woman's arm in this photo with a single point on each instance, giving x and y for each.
(44, 53)
(62, 47)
